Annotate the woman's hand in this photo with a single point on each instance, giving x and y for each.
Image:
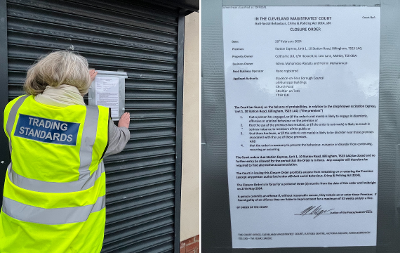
(92, 74)
(125, 120)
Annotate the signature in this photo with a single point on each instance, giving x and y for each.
(314, 210)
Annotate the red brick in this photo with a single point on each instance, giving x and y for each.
(190, 240)
(192, 251)
(182, 248)
(192, 246)
(197, 238)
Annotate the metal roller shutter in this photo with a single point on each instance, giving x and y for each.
(143, 182)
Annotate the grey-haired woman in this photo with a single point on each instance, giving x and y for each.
(54, 191)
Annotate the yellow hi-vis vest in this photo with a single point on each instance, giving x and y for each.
(54, 190)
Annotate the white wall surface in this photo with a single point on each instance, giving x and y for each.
(191, 126)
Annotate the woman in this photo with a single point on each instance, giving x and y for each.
(54, 191)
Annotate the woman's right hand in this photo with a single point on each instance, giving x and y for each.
(124, 120)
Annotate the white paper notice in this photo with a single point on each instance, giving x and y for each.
(107, 93)
(302, 96)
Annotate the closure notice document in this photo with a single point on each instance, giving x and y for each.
(302, 97)
(107, 93)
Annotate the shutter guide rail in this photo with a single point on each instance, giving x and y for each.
(179, 123)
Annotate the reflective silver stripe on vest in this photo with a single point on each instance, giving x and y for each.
(53, 187)
(56, 216)
(87, 141)
(11, 117)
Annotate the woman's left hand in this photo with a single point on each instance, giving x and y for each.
(92, 73)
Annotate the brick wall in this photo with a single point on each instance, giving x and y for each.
(190, 245)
